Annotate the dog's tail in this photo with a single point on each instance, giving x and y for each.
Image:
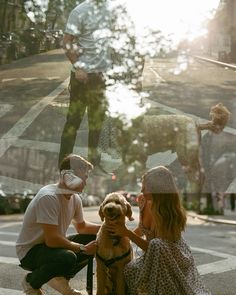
(219, 115)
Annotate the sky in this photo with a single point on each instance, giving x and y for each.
(180, 18)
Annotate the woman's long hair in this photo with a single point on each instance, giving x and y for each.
(169, 216)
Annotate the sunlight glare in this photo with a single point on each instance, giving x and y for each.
(181, 19)
(124, 102)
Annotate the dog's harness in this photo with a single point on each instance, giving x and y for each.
(109, 262)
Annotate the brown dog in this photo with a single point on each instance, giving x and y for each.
(113, 253)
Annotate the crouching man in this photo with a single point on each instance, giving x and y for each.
(42, 246)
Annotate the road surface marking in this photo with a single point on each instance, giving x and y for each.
(7, 243)
(53, 78)
(8, 234)
(227, 264)
(4, 291)
(5, 108)
(213, 253)
(218, 266)
(29, 79)
(9, 260)
(9, 224)
(18, 129)
(8, 80)
(158, 77)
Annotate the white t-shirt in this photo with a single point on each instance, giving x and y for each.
(48, 207)
(90, 23)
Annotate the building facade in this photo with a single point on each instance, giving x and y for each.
(12, 15)
(222, 32)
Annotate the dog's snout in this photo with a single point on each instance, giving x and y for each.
(109, 209)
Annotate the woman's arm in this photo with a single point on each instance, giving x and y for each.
(134, 236)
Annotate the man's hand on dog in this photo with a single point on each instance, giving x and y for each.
(117, 230)
(90, 248)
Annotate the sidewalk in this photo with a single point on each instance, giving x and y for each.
(212, 60)
(229, 217)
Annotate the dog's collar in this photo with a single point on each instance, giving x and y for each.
(109, 262)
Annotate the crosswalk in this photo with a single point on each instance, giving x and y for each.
(222, 262)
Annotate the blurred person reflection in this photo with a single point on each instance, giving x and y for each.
(94, 32)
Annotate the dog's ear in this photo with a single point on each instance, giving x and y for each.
(129, 211)
(100, 212)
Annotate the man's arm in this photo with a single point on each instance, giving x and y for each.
(54, 239)
(72, 54)
(69, 49)
(86, 227)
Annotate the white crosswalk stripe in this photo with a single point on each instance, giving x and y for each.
(4, 291)
(18, 129)
(26, 79)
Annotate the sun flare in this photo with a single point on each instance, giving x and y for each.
(178, 19)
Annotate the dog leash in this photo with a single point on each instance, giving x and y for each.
(109, 262)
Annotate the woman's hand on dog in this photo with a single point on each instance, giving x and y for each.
(117, 230)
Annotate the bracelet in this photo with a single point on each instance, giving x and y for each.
(82, 248)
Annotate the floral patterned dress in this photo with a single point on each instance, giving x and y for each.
(167, 268)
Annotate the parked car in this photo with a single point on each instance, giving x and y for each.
(4, 204)
(27, 197)
(15, 202)
(90, 200)
(31, 39)
(3, 53)
(132, 198)
(58, 36)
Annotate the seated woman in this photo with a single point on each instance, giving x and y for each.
(167, 266)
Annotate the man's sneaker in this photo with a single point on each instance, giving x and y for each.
(29, 290)
(61, 285)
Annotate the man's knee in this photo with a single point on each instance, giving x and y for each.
(68, 258)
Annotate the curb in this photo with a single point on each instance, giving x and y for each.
(213, 220)
(222, 64)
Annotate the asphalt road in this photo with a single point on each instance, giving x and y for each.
(213, 247)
